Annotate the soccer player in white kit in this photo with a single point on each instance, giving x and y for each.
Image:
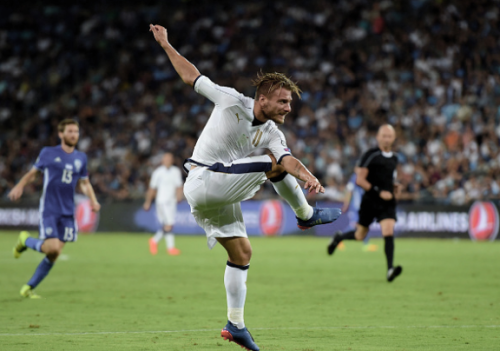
(166, 188)
(221, 175)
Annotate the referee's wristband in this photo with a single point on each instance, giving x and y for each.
(375, 189)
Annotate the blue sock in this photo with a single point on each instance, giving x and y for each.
(35, 244)
(41, 272)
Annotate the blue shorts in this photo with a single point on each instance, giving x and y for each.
(63, 228)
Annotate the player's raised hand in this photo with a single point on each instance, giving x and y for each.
(160, 34)
(313, 184)
(15, 193)
(146, 206)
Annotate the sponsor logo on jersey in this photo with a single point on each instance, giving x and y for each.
(483, 221)
(78, 165)
(86, 219)
(271, 217)
(68, 166)
(57, 159)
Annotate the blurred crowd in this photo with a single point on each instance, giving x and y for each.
(430, 68)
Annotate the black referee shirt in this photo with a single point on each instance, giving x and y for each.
(381, 168)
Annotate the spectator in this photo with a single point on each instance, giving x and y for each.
(430, 68)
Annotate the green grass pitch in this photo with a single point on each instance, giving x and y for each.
(108, 293)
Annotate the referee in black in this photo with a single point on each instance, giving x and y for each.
(376, 174)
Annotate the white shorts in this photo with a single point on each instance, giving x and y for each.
(165, 212)
(215, 192)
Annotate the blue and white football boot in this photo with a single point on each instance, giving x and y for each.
(320, 216)
(241, 337)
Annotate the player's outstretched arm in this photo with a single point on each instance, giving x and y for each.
(299, 171)
(88, 190)
(17, 191)
(186, 70)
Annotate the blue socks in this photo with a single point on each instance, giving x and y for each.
(41, 271)
(35, 244)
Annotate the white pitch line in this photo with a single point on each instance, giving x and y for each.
(284, 328)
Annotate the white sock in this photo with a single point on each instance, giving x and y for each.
(235, 280)
(158, 236)
(170, 239)
(289, 189)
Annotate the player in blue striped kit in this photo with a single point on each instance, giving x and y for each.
(63, 168)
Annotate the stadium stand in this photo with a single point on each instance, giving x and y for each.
(430, 68)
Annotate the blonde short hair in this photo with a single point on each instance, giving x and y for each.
(266, 83)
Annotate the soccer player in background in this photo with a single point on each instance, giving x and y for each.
(63, 168)
(352, 202)
(221, 175)
(166, 187)
(376, 174)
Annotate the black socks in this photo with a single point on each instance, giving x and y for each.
(347, 236)
(389, 245)
(389, 250)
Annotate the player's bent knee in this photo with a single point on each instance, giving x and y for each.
(53, 251)
(52, 258)
(361, 232)
(53, 254)
(241, 257)
(52, 248)
(247, 255)
(238, 249)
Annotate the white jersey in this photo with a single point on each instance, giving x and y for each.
(166, 181)
(229, 134)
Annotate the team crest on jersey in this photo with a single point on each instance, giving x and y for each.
(48, 230)
(78, 165)
(57, 159)
(243, 140)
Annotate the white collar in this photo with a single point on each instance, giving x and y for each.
(387, 154)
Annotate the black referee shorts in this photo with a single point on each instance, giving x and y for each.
(379, 209)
